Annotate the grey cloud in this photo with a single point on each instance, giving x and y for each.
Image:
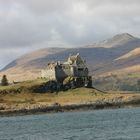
(31, 24)
(31, 21)
(45, 7)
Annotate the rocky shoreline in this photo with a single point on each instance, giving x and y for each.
(6, 110)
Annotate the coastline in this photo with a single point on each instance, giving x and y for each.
(100, 104)
(12, 103)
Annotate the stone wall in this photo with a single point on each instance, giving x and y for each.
(49, 74)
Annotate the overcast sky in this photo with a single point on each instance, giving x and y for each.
(26, 25)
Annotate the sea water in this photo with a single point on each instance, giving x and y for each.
(109, 124)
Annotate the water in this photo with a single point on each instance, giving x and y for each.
(117, 124)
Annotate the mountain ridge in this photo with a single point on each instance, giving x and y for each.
(101, 58)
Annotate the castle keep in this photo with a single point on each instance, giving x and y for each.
(75, 66)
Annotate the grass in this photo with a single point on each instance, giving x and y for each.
(22, 93)
(68, 96)
(72, 96)
(22, 87)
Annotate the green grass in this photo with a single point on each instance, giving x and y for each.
(10, 96)
(71, 96)
(22, 93)
(21, 87)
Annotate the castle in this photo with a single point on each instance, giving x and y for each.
(75, 66)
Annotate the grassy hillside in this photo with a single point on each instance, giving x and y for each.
(73, 96)
(70, 96)
(22, 87)
(123, 82)
(20, 98)
(101, 58)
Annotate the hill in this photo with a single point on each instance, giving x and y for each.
(118, 53)
(21, 99)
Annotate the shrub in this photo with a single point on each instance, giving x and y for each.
(4, 81)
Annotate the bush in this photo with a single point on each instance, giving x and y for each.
(4, 81)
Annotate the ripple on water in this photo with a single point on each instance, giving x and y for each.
(117, 124)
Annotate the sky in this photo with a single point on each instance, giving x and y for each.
(27, 25)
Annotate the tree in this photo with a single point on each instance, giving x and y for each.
(4, 81)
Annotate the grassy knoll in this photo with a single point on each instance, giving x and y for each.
(22, 87)
(26, 99)
(72, 96)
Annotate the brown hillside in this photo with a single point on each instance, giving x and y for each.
(117, 53)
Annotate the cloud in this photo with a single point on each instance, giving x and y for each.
(31, 24)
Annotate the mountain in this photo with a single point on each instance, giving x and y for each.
(117, 40)
(131, 54)
(118, 53)
(128, 63)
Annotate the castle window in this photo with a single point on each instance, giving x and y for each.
(80, 69)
